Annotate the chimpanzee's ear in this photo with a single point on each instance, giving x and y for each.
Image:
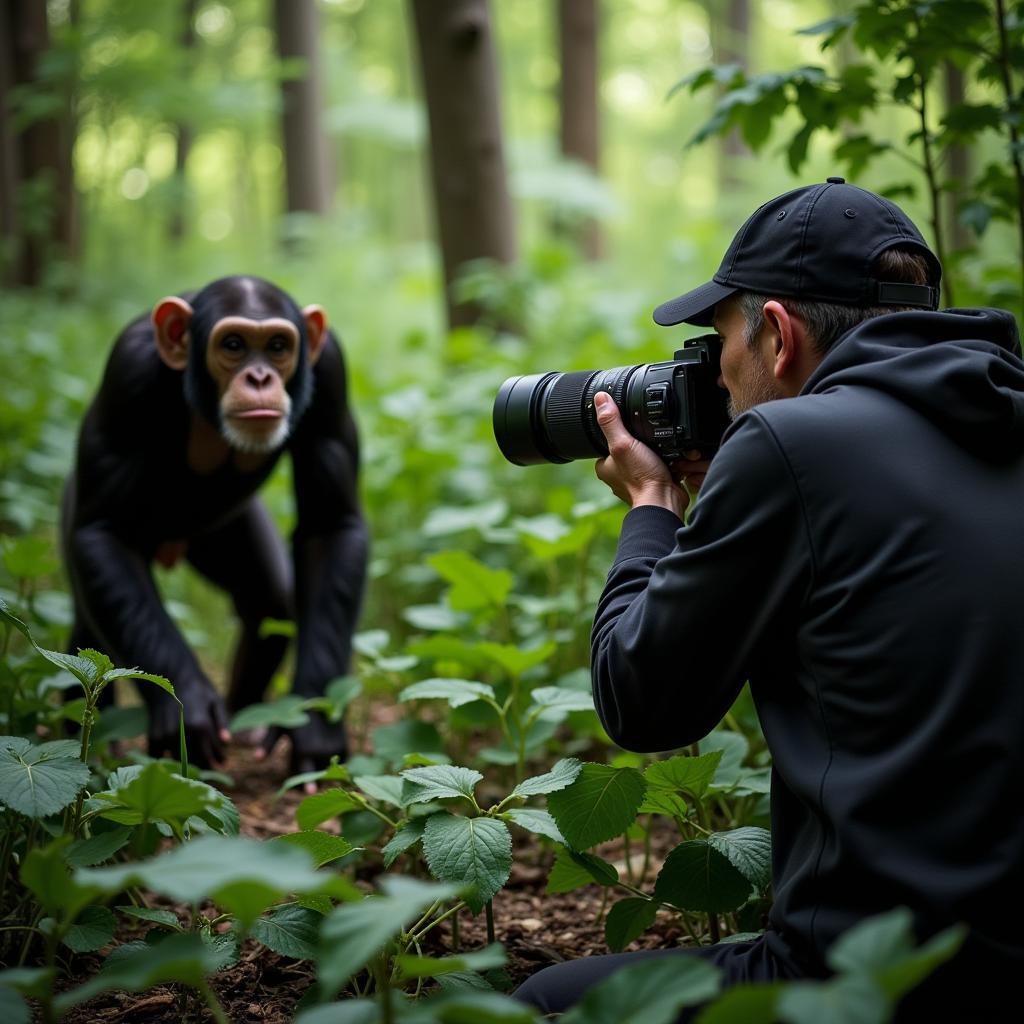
(171, 319)
(316, 330)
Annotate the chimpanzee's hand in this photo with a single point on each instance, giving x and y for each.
(206, 729)
(313, 745)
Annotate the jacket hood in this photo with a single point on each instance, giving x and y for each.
(961, 368)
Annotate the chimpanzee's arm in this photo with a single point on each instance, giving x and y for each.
(330, 540)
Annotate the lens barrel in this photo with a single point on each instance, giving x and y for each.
(549, 417)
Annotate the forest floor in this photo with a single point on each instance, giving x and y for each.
(537, 929)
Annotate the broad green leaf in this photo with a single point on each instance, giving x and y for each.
(848, 999)
(394, 741)
(321, 807)
(13, 1008)
(556, 702)
(692, 775)
(455, 691)
(340, 693)
(574, 870)
(164, 918)
(447, 519)
(37, 783)
(663, 801)
(92, 929)
(35, 982)
(225, 949)
(469, 851)
(652, 991)
(45, 871)
(287, 712)
(140, 676)
(102, 663)
(220, 816)
(243, 876)
(183, 958)
(695, 876)
(433, 967)
(908, 972)
(291, 931)
(59, 748)
(322, 847)
(431, 616)
(438, 782)
(473, 585)
(347, 1011)
(472, 1006)
(387, 789)
(744, 1004)
(354, 934)
(734, 748)
(334, 772)
(158, 794)
(533, 819)
(515, 660)
(628, 919)
(749, 850)
(599, 805)
(563, 774)
(407, 836)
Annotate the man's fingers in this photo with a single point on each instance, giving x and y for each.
(609, 420)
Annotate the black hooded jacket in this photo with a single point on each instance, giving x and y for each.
(857, 553)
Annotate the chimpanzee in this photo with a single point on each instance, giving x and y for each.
(197, 403)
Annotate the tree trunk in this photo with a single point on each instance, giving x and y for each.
(730, 42)
(10, 157)
(183, 130)
(959, 166)
(37, 154)
(460, 82)
(297, 24)
(580, 124)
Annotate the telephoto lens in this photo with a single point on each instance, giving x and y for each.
(672, 407)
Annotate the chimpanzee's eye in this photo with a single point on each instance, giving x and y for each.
(278, 345)
(232, 343)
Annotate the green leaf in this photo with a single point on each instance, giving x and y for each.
(158, 794)
(291, 931)
(92, 929)
(691, 775)
(35, 982)
(340, 693)
(438, 782)
(515, 660)
(431, 616)
(556, 702)
(322, 847)
(448, 519)
(183, 958)
(394, 741)
(599, 805)
(695, 876)
(749, 850)
(652, 991)
(287, 712)
(574, 870)
(13, 1008)
(470, 1006)
(469, 851)
(744, 1004)
(164, 918)
(563, 774)
(405, 838)
(98, 848)
(473, 585)
(243, 876)
(533, 819)
(734, 748)
(321, 807)
(354, 934)
(45, 871)
(663, 801)
(37, 783)
(139, 676)
(347, 1011)
(628, 919)
(387, 789)
(484, 959)
(455, 691)
(849, 999)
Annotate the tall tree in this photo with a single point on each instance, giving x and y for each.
(183, 129)
(297, 23)
(730, 42)
(959, 165)
(37, 210)
(460, 83)
(580, 122)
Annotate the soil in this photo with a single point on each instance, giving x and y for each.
(536, 929)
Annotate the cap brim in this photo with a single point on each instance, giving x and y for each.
(696, 307)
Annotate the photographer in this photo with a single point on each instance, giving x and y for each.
(856, 554)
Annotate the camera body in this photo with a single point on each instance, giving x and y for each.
(673, 407)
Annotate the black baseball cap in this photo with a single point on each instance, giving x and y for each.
(818, 243)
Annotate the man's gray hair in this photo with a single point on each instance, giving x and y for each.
(826, 322)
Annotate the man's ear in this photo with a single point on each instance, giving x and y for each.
(171, 319)
(787, 337)
(316, 331)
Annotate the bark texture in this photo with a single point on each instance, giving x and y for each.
(297, 23)
(460, 83)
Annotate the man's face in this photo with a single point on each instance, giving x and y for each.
(746, 371)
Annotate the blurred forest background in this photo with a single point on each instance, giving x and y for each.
(471, 190)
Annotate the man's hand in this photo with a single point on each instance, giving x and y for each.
(206, 729)
(632, 470)
(313, 745)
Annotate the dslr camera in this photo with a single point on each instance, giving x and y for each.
(671, 407)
